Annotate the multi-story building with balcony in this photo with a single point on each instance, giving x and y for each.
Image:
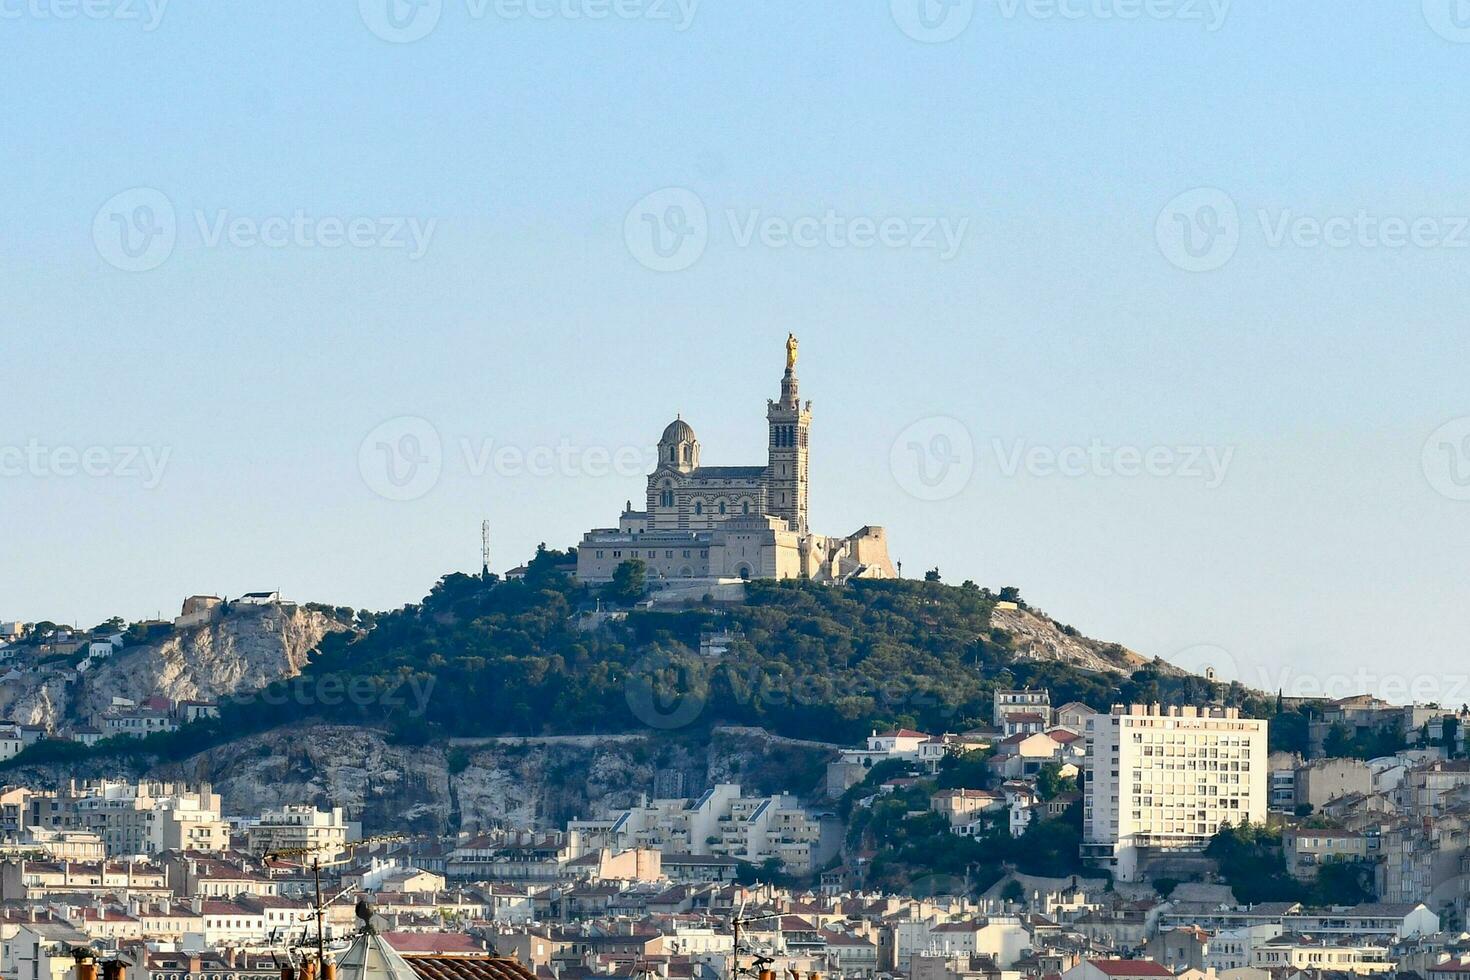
(1162, 781)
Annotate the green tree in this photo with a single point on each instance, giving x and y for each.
(629, 582)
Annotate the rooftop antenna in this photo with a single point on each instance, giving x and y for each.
(485, 549)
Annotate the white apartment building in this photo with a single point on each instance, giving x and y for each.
(1025, 702)
(719, 822)
(142, 818)
(1164, 780)
(11, 742)
(297, 826)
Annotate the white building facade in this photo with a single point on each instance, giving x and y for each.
(1165, 780)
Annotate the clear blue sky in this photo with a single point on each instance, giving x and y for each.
(1066, 315)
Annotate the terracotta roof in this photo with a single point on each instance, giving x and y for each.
(457, 943)
(1132, 968)
(467, 968)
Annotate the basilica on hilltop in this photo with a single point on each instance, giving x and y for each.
(733, 522)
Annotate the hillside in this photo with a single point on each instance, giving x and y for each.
(445, 787)
(484, 658)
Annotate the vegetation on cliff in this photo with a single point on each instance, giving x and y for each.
(532, 656)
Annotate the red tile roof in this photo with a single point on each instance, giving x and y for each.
(1132, 968)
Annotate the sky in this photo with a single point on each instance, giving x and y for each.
(1154, 309)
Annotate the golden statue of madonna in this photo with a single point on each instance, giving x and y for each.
(791, 344)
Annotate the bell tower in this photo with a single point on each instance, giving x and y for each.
(789, 422)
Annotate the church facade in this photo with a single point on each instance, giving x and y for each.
(734, 522)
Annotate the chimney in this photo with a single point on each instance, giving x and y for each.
(114, 970)
(86, 965)
(194, 963)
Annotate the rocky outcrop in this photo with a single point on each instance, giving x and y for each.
(1035, 636)
(245, 649)
(532, 783)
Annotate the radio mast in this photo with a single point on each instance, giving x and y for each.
(485, 550)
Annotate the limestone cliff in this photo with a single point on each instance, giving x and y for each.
(501, 782)
(1036, 636)
(244, 650)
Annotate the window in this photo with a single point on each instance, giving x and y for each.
(699, 507)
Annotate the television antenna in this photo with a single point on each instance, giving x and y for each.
(314, 852)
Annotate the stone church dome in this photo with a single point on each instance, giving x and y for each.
(678, 431)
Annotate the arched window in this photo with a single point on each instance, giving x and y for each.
(688, 453)
(666, 498)
(722, 506)
(699, 507)
(745, 507)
